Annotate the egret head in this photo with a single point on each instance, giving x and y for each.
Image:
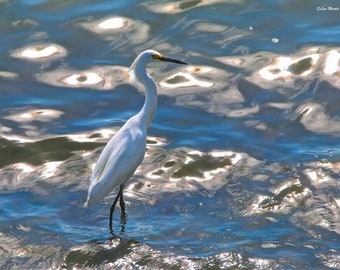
(151, 55)
(158, 56)
(139, 65)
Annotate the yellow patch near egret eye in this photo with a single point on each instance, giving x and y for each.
(157, 56)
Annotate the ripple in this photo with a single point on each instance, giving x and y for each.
(37, 165)
(272, 71)
(209, 27)
(139, 255)
(113, 23)
(330, 259)
(179, 169)
(47, 159)
(41, 115)
(26, 125)
(126, 30)
(332, 65)
(262, 98)
(97, 77)
(285, 70)
(182, 79)
(177, 7)
(315, 119)
(311, 198)
(84, 78)
(8, 75)
(202, 167)
(40, 52)
(25, 23)
(107, 25)
(50, 169)
(12, 252)
(285, 197)
(285, 67)
(193, 80)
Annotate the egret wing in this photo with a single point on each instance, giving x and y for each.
(118, 161)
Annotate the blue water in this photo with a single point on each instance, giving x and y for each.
(243, 162)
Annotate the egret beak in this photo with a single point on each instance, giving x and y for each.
(167, 59)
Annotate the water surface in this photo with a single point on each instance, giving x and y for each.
(243, 162)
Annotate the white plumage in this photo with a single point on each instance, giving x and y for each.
(126, 149)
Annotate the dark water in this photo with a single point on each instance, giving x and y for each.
(243, 161)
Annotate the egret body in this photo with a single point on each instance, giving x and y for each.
(125, 150)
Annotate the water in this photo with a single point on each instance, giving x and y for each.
(242, 166)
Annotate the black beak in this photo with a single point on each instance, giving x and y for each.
(167, 59)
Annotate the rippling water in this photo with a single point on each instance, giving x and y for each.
(243, 162)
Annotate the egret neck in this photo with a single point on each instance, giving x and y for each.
(149, 108)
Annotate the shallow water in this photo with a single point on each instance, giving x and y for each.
(243, 162)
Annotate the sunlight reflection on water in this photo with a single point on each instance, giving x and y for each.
(101, 77)
(242, 165)
(45, 52)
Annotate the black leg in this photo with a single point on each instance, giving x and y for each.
(121, 203)
(112, 209)
(122, 208)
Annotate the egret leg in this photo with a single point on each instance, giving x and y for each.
(122, 208)
(121, 202)
(112, 209)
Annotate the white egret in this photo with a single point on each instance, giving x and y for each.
(125, 151)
